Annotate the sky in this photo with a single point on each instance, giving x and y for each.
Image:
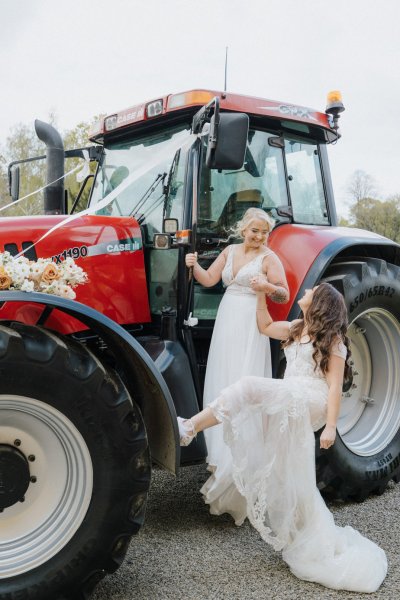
(82, 58)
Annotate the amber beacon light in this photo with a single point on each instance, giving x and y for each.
(334, 106)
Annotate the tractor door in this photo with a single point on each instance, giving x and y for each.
(224, 197)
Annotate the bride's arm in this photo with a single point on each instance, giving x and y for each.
(279, 330)
(212, 275)
(334, 378)
(272, 281)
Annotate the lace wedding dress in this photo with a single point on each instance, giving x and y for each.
(237, 349)
(269, 427)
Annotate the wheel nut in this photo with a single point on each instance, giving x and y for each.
(17, 442)
(22, 499)
(33, 479)
(31, 457)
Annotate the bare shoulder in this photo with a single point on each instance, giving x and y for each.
(225, 252)
(271, 259)
(273, 267)
(222, 256)
(338, 348)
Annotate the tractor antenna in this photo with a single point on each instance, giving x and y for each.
(226, 66)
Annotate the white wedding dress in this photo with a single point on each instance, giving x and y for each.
(237, 348)
(269, 427)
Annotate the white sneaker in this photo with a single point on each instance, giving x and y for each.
(187, 431)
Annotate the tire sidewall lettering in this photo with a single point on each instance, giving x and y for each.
(370, 295)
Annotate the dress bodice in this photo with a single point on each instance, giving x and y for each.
(300, 362)
(240, 283)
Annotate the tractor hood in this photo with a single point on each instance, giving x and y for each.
(109, 249)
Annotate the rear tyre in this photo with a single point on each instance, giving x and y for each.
(366, 455)
(74, 466)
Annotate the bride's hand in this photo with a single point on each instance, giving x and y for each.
(191, 259)
(259, 283)
(328, 437)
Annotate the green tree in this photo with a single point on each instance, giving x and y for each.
(343, 222)
(23, 143)
(20, 144)
(382, 217)
(3, 181)
(78, 137)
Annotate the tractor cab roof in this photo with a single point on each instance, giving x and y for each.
(164, 109)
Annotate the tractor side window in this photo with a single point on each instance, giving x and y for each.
(226, 195)
(224, 198)
(305, 183)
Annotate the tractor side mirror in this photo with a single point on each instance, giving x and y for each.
(170, 226)
(13, 183)
(227, 141)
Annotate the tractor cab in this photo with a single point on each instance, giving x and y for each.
(277, 165)
(188, 175)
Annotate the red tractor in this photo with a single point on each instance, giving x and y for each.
(90, 389)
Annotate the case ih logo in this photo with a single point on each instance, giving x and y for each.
(292, 111)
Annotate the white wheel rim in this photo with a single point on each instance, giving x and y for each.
(33, 531)
(370, 413)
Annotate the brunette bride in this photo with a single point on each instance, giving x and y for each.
(269, 428)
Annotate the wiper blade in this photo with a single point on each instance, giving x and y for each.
(160, 178)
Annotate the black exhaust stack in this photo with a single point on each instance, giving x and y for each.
(53, 194)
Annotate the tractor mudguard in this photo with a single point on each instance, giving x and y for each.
(359, 247)
(307, 251)
(141, 376)
(172, 362)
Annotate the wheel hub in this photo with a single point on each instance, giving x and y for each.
(14, 476)
(370, 413)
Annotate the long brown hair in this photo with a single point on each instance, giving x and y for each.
(326, 322)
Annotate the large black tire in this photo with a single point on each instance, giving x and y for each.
(366, 455)
(71, 422)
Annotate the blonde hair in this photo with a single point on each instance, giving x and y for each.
(252, 214)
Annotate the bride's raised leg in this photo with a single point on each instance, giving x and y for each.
(246, 390)
(189, 428)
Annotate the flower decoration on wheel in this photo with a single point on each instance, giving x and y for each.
(20, 273)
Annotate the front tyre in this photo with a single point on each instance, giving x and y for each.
(74, 467)
(366, 455)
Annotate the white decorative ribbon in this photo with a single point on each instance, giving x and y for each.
(15, 202)
(157, 157)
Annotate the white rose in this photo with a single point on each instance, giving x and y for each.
(28, 286)
(66, 291)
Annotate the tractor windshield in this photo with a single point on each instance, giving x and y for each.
(154, 168)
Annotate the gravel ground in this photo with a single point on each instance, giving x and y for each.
(184, 553)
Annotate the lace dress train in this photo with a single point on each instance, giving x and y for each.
(269, 427)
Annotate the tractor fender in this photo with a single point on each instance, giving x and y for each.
(307, 251)
(141, 376)
(378, 248)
